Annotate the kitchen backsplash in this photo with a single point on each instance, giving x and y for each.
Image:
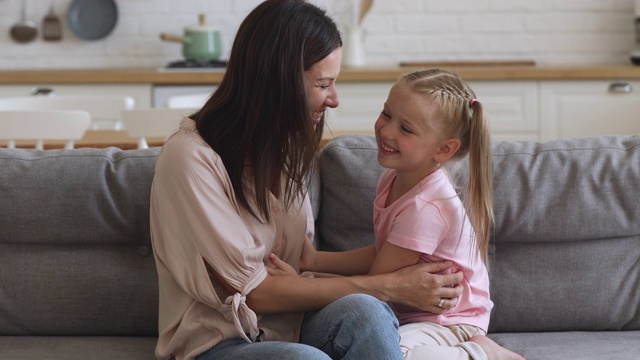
(546, 31)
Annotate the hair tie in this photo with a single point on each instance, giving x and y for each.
(473, 101)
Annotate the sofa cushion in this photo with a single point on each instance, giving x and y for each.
(567, 190)
(349, 175)
(75, 252)
(79, 196)
(77, 347)
(599, 345)
(567, 235)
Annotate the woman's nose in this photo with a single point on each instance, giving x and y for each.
(332, 100)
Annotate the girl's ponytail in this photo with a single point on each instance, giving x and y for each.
(479, 194)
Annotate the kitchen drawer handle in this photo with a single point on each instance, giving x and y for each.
(620, 87)
(43, 91)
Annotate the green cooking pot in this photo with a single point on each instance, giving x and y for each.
(201, 42)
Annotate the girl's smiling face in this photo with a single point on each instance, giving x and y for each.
(407, 139)
(321, 84)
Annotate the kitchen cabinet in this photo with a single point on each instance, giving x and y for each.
(162, 93)
(522, 102)
(511, 106)
(589, 108)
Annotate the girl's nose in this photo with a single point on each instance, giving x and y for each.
(386, 130)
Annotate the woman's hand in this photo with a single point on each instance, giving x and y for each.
(421, 286)
(280, 268)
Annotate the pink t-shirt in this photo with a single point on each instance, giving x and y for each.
(430, 219)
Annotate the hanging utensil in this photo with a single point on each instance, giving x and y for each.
(51, 26)
(365, 6)
(92, 19)
(26, 30)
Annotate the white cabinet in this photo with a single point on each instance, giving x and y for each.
(163, 93)
(511, 106)
(589, 108)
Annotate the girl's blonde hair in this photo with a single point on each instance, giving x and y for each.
(462, 117)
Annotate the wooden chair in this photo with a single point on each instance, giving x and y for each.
(156, 122)
(187, 100)
(41, 125)
(105, 110)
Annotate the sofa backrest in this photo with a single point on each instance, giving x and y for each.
(75, 251)
(566, 242)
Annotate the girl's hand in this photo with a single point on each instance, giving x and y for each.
(308, 256)
(280, 268)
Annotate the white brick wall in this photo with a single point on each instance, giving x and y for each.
(547, 31)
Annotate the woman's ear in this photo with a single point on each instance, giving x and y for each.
(447, 149)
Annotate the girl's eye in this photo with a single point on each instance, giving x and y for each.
(384, 114)
(323, 87)
(406, 129)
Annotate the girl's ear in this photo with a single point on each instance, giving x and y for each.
(447, 149)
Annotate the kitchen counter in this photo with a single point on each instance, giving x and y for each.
(213, 76)
(121, 139)
(94, 139)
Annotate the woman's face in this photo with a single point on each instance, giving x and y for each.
(321, 84)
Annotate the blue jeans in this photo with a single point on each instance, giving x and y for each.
(354, 327)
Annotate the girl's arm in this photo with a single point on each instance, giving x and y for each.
(347, 263)
(357, 262)
(392, 257)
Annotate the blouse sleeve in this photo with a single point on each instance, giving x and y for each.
(197, 222)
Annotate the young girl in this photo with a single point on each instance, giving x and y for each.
(431, 119)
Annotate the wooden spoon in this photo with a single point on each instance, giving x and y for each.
(365, 6)
(25, 30)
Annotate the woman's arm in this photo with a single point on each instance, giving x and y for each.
(415, 286)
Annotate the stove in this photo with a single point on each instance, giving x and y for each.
(162, 93)
(196, 64)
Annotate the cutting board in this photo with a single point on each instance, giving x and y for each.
(467, 63)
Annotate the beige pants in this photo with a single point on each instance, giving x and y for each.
(426, 340)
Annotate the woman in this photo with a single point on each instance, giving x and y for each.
(229, 197)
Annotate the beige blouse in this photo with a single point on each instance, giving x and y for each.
(196, 220)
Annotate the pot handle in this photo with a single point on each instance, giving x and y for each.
(171, 37)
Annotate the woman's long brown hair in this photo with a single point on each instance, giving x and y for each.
(260, 114)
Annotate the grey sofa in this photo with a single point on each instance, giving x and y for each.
(78, 281)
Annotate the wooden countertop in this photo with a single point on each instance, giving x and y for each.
(362, 74)
(94, 139)
(121, 139)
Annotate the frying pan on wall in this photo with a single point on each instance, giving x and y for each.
(92, 19)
